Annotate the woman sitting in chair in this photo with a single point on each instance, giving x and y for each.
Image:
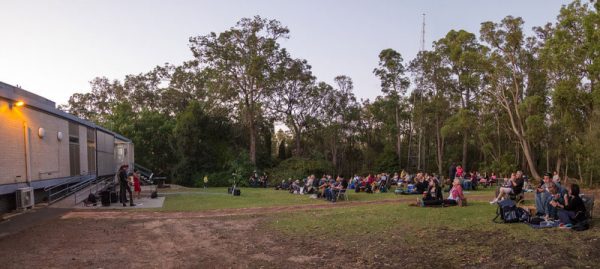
(513, 187)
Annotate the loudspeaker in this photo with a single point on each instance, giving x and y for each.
(229, 190)
(105, 198)
(113, 197)
(237, 192)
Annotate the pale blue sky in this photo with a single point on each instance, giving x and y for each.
(53, 48)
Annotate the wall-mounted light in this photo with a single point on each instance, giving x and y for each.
(41, 132)
(17, 104)
(59, 136)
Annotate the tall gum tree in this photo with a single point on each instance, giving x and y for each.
(507, 78)
(394, 85)
(432, 76)
(295, 100)
(461, 53)
(243, 62)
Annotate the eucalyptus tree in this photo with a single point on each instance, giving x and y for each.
(295, 100)
(394, 84)
(571, 55)
(242, 64)
(462, 55)
(339, 115)
(508, 80)
(97, 105)
(432, 77)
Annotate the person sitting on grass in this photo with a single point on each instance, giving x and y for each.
(542, 196)
(456, 196)
(421, 185)
(308, 187)
(514, 186)
(433, 195)
(556, 198)
(573, 209)
(295, 187)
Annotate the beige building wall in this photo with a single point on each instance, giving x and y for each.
(49, 157)
(12, 145)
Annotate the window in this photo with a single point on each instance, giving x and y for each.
(74, 158)
(91, 150)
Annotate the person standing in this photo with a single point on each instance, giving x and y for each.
(137, 188)
(452, 172)
(205, 181)
(124, 186)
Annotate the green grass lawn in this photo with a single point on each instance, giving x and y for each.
(199, 199)
(461, 230)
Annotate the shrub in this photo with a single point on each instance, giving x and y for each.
(298, 168)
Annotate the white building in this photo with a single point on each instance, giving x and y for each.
(42, 147)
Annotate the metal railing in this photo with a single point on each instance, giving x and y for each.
(72, 186)
(95, 186)
(146, 174)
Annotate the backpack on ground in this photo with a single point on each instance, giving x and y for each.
(588, 202)
(581, 225)
(507, 212)
(92, 199)
(523, 214)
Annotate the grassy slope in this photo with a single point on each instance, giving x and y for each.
(467, 230)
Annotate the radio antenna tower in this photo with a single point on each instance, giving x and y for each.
(423, 34)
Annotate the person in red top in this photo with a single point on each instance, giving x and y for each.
(136, 183)
(459, 171)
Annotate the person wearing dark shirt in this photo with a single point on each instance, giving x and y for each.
(452, 172)
(124, 186)
(421, 186)
(344, 183)
(573, 209)
(433, 195)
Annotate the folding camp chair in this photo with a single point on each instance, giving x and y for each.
(342, 193)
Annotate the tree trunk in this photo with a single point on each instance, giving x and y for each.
(409, 143)
(558, 164)
(252, 142)
(529, 157)
(419, 151)
(298, 141)
(464, 151)
(439, 146)
(398, 138)
(334, 154)
(547, 158)
(579, 170)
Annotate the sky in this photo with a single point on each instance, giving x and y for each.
(54, 48)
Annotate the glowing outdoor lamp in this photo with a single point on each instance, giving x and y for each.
(17, 104)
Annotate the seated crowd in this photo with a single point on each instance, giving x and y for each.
(422, 183)
(326, 187)
(553, 202)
